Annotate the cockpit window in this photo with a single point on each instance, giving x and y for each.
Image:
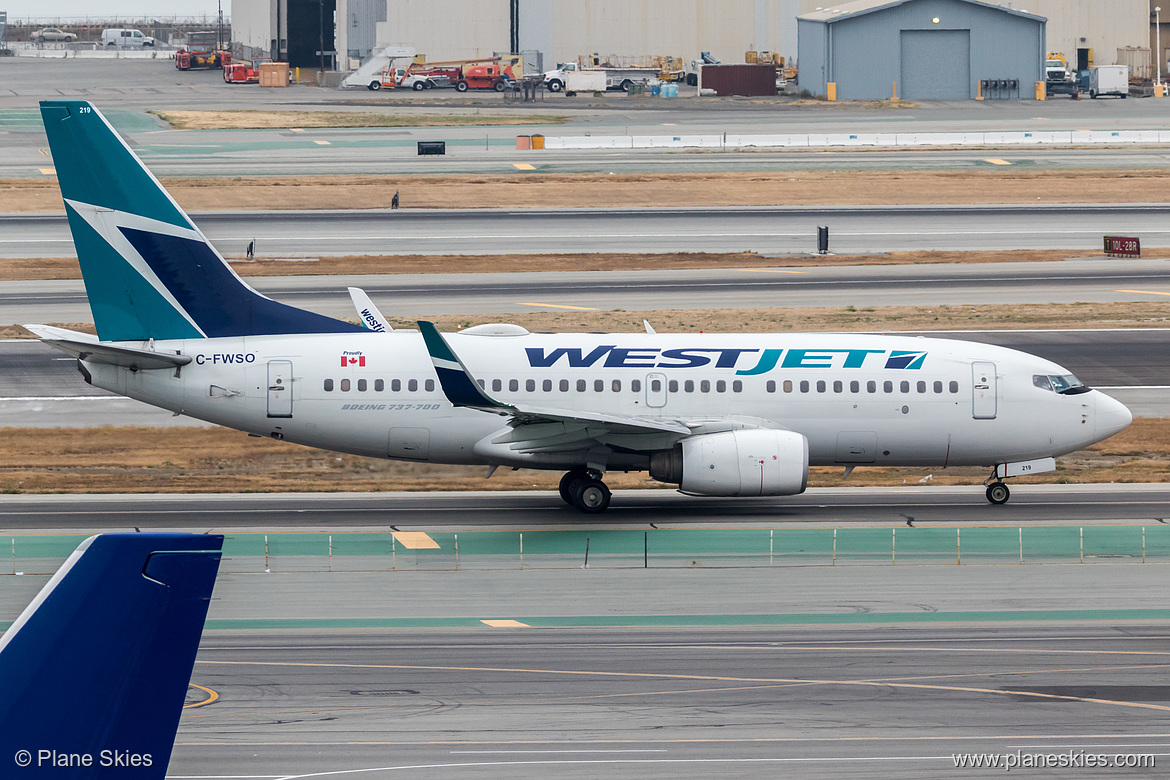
(1065, 384)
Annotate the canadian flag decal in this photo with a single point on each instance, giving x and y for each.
(349, 361)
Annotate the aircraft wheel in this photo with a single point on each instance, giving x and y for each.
(591, 496)
(566, 487)
(998, 493)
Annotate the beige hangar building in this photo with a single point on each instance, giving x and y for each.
(551, 31)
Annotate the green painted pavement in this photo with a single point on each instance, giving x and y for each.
(124, 121)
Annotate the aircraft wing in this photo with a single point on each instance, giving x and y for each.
(462, 390)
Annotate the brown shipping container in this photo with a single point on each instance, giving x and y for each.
(745, 80)
(274, 74)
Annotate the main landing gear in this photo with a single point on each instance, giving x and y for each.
(582, 487)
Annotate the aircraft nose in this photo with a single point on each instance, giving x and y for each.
(1112, 416)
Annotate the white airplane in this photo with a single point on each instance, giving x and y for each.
(716, 414)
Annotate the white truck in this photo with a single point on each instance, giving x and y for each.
(570, 77)
(1109, 80)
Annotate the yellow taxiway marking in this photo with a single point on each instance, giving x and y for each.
(505, 624)
(321, 143)
(44, 152)
(711, 678)
(997, 161)
(48, 171)
(211, 696)
(771, 270)
(296, 129)
(553, 306)
(415, 540)
(524, 166)
(1144, 292)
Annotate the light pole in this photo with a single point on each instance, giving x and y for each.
(1158, 37)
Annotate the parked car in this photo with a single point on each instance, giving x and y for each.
(51, 34)
(126, 38)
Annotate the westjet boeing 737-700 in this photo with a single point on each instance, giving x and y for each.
(716, 414)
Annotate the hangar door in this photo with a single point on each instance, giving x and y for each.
(936, 64)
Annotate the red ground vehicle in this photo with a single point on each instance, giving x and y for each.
(483, 77)
(242, 73)
(202, 51)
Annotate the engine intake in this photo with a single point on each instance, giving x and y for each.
(736, 463)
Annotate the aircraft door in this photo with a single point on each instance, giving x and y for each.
(656, 390)
(280, 388)
(984, 391)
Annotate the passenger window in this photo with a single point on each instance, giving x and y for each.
(854, 386)
(497, 385)
(395, 385)
(888, 386)
(837, 386)
(598, 385)
(655, 385)
(904, 387)
(480, 383)
(737, 386)
(770, 385)
(720, 386)
(412, 385)
(530, 385)
(705, 386)
(954, 386)
(564, 385)
(345, 385)
(581, 385)
(636, 385)
(804, 386)
(379, 385)
(328, 385)
(871, 386)
(430, 385)
(689, 386)
(616, 385)
(820, 385)
(513, 385)
(546, 385)
(788, 385)
(361, 385)
(672, 385)
(938, 387)
(922, 387)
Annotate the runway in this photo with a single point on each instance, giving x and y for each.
(826, 507)
(422, 295)
(891, 701)
(768, 230)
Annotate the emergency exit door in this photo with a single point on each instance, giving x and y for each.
(983, 389)
(280, 388)
(656, 390)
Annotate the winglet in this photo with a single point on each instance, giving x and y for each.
(456, 381)
(367, 312)
(99, 663)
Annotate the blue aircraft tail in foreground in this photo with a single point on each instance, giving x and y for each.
(94, 672)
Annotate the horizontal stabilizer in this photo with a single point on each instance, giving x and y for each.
(87, 347)
(98, 665)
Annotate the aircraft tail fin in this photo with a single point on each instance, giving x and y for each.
(99, 663)
(149, 271)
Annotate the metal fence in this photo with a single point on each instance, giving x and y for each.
(678, 548)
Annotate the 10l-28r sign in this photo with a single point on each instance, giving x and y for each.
(1123, 246)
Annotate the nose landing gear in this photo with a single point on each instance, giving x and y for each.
(582, 488)
(998, 493)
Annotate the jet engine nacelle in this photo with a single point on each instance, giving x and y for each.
(736, 463)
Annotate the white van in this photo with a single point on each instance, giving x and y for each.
(126, 39)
